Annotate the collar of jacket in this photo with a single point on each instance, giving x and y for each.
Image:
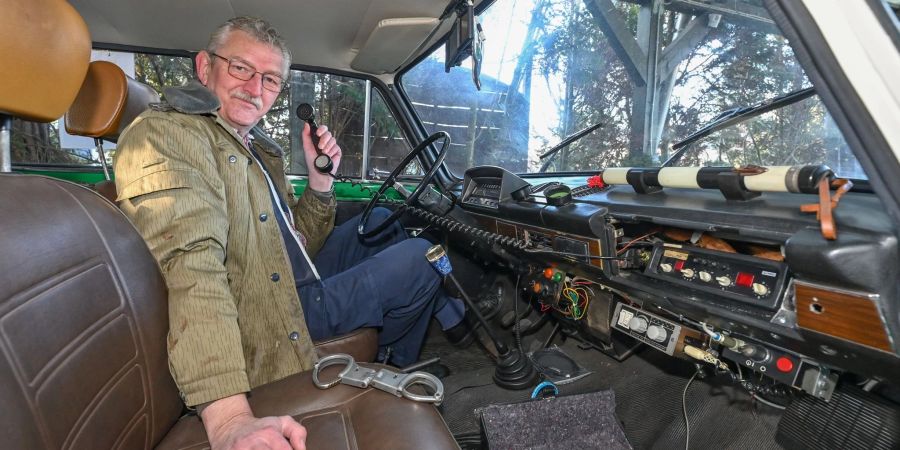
(194, 98)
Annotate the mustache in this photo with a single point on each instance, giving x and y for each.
(241, 95)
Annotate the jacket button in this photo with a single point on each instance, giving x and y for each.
(232, 159)
(275, 277)
(263, 217)
(294, 336)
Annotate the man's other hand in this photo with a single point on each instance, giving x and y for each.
(327, 146)
(230, 424)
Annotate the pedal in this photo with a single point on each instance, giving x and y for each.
(853, 419)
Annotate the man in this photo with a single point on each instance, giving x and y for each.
(255, 275)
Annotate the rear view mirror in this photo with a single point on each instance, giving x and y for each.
(462, 36)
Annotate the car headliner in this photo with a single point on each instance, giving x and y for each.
(321, 33)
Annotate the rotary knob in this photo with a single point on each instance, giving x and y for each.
(760, 289)
(755, 353)
(723, 280)
(687, 273)
(657, 333)
(705, 276)
(665, 267)
(638, 324)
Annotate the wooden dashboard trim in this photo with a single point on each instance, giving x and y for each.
(515, 229)
(842, 314)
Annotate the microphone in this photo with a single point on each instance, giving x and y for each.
(306, 113)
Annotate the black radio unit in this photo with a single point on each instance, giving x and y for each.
(747, 279)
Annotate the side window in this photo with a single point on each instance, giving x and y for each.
(48, 144)
(369, 150)
(387, 145)
(338, 102)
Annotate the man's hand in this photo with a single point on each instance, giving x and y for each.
(230, 424)
(328, 146)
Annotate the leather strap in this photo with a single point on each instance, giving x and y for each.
(827, 203)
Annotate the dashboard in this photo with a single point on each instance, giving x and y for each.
(700, 276)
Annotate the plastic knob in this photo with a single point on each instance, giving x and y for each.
(638, 324)
(724, 280)
(755, 353)
(657, 333)
(705, 276)
(760, 289)
(665, 267)
(687, 273)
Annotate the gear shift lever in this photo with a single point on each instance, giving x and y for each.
(514, 371)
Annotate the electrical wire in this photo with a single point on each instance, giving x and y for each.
(573, 300)
(766, 402)
(634, 241)
(577, 255)
(518, 333)
(344, 179)
(687, 424)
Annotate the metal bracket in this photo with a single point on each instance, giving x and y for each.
(385, 380)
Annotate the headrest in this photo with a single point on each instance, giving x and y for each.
(107, 102)
(46, 48)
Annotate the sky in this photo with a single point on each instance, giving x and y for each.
(505, 24)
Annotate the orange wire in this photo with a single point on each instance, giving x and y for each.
(621, 250)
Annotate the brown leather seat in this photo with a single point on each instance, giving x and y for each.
(107, 103)
(83, 317)
(83, 307)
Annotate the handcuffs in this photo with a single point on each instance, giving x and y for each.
(383, 379)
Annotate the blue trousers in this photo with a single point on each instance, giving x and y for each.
(384, 281)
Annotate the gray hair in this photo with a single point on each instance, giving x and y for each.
(258, 29)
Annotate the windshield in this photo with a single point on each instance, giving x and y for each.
(552, 68)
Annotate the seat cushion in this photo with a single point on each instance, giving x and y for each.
(361, 344)
(342, 417)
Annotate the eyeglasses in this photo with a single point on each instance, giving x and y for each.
(244, 72)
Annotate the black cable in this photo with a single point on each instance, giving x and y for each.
(577, 255)
(470, 386)
(540, 369)
(453, 225)
(358, 184)
(772, 404)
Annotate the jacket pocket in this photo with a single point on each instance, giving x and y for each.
(158, 181)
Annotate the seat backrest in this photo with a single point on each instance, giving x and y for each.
(83, 308)
(83, 320)
(108, 102)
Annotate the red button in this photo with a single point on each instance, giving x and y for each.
(744, 279)
(784, 364)
(679, 265)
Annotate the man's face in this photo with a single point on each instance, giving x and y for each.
(243, 102)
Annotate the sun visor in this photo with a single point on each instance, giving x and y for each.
(392, 42)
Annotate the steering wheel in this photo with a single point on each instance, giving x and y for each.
(391, 181)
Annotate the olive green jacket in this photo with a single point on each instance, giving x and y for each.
(194, 192)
